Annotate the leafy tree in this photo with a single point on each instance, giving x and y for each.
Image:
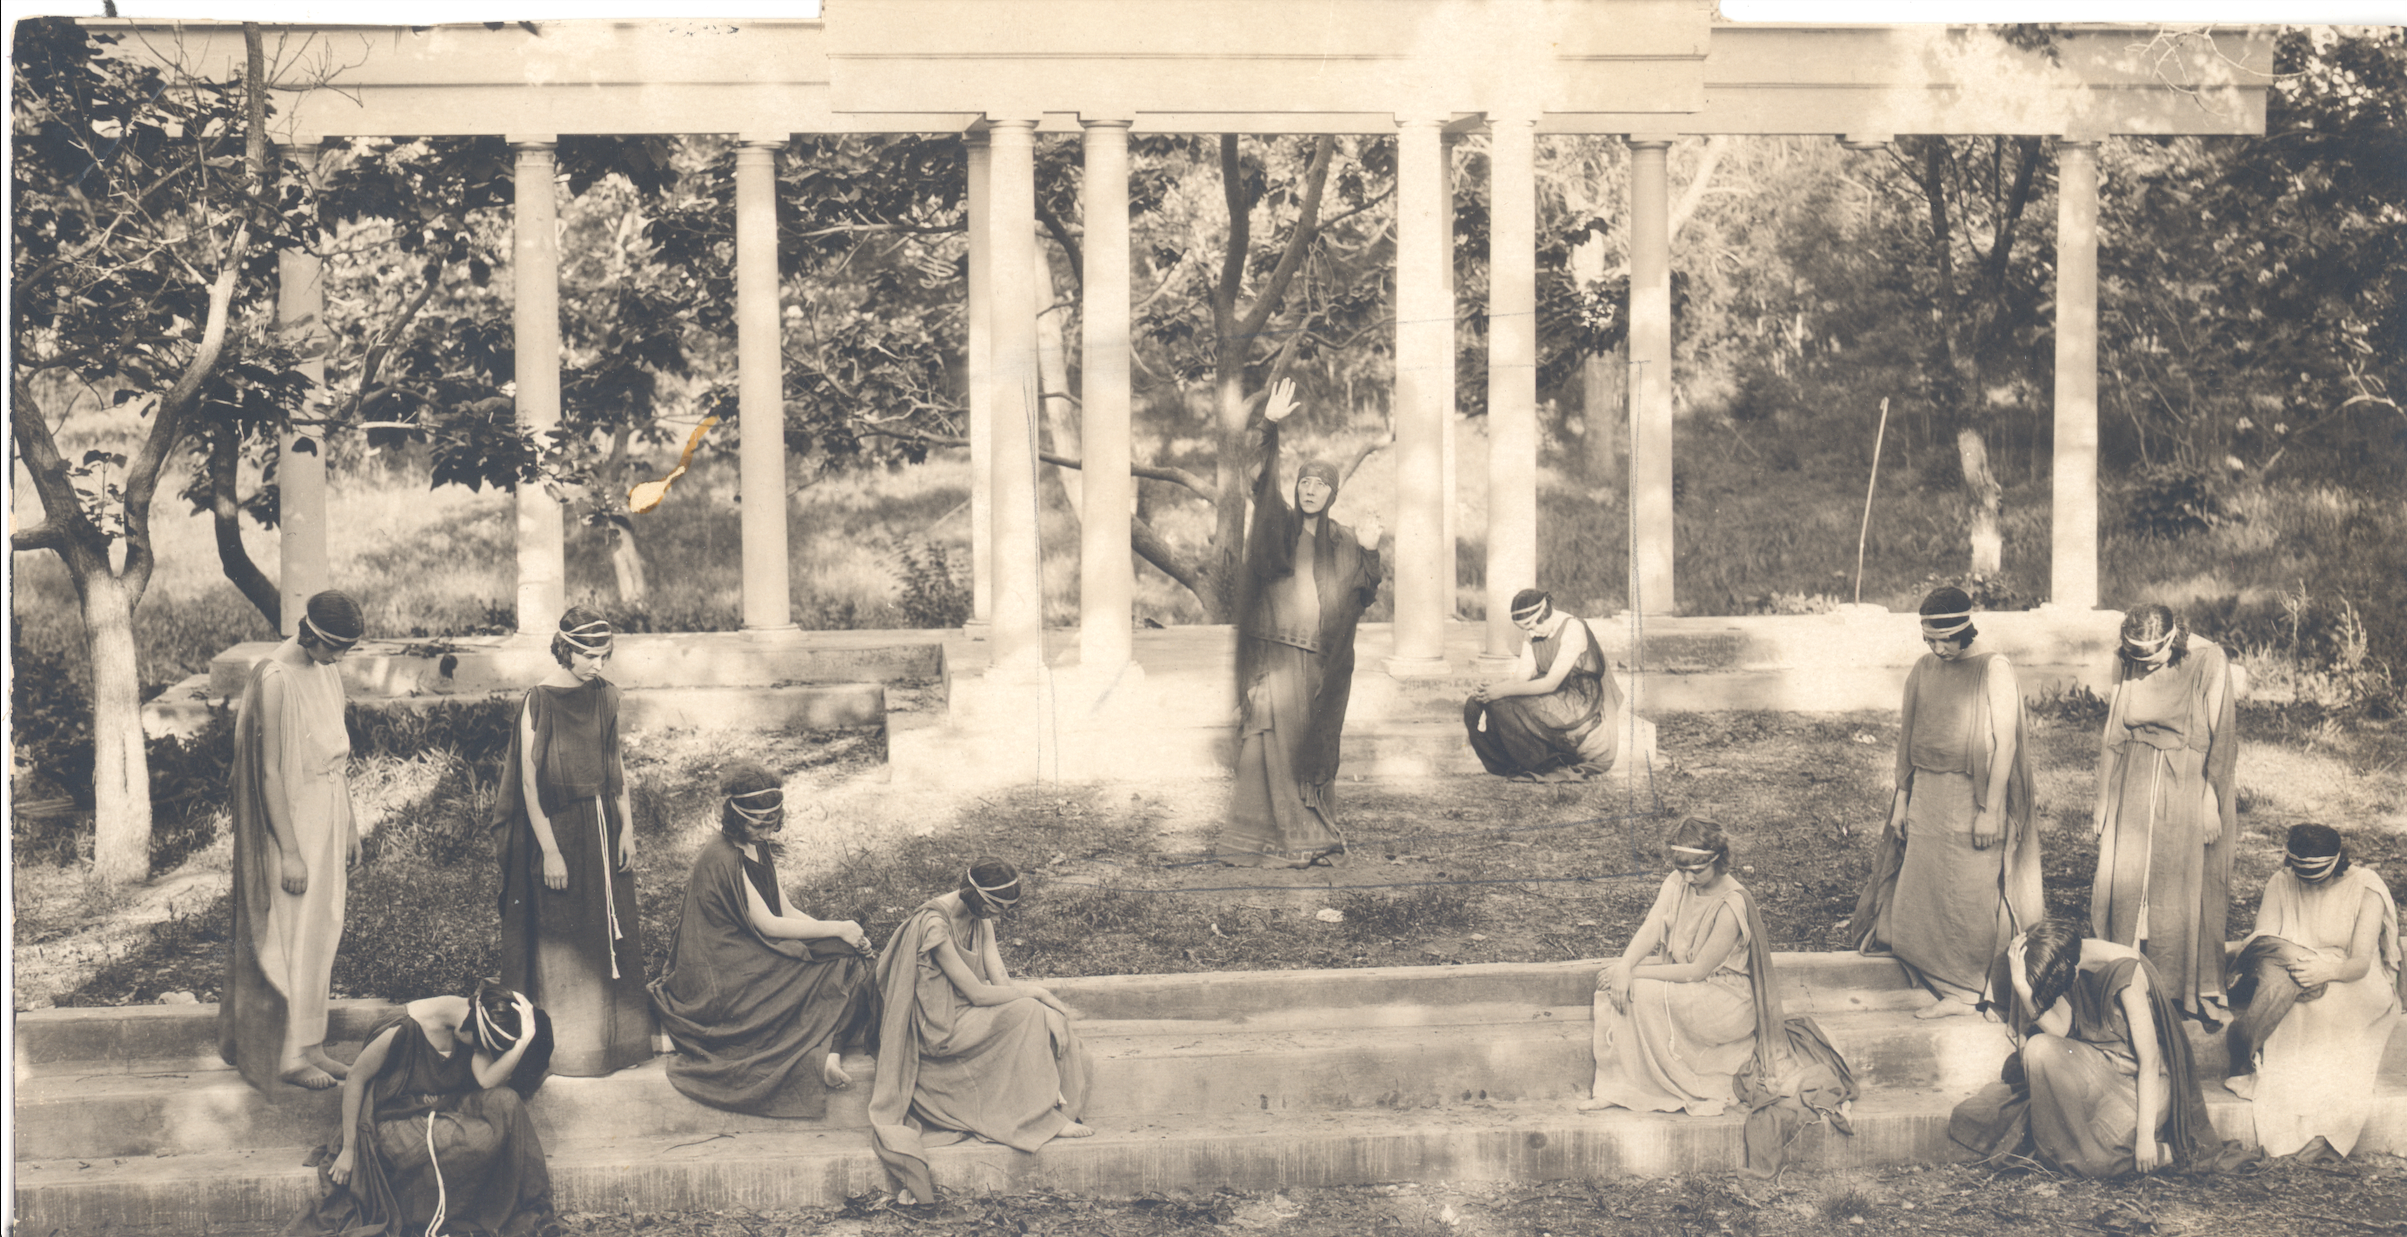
(146, 216)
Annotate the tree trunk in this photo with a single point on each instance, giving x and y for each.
(120, 762)
(1060, 418)
(225, 513)
(1981, 489)
(1604, 410)
(626, 556)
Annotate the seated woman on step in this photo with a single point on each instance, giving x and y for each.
(2317, 988)
(1677, 1017)
(760, 1000)
(964, 1049)
(435, 1127)
(1555, 723)
(2102, 1083)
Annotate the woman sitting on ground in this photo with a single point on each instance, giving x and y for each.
(754, 993)
(2102, 1082)
(1556, 723)
(964, 1049)
(2316, 988)
(1679, 1015)
(435, 1127)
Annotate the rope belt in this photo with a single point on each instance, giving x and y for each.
(601, 833)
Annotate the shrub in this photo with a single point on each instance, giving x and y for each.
(50, 720)
(2172, 500)
(414, 929)
(1988, 592)
(189, 778)
(1418, 912)
(933, 595)
(478, 730)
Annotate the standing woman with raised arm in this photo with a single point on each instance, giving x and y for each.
(294, 839)
(2167, 818)
(570, 937)
(1306, 581)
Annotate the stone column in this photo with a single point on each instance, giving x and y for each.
(1423, 342)
(535, 287)
(1448, 483)
(1651, 377)
(1512, 375)
(2073, 515)
(1106, 573)
(1019, 592)
(761, 388)
(981, 384)
(302, 569)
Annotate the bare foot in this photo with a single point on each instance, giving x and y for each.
(309, 1076)
(904, 1198)
(1075, 1130)
(1944, 1007)
(315, 1055)
(833, 1073)
(1596, 1105)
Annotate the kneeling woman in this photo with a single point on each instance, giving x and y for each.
(1678, 1017)
(2318, 986)
(964, 1050)
(435, 1127)
(2102, 1083)
(1556, 723)
(760, 1000)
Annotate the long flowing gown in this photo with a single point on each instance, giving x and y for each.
(1012, 1073)
(1561, 729)
(281, 967)
(1951, 907)
(578, 952)
(2164, 861)
(1306, 582)
(430, 1137)
(1682, 1046)
(2074, 1099)
(752, 1016)
(2316, 1075)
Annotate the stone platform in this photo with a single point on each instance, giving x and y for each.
(125, 1121)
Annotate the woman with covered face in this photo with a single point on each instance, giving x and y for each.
(435, 1128)
(963, 1048)
(1307, 579)
(2101, 1082)
(2316, 990)
(1958, 871)
(570, 936)
(1679, 1015)
(2166, 817)
(761, 1000)
(294, 841)
(1556, 723)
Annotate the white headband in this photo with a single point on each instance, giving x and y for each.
(486, 1031)
(2311, 866)
(1535, 607)
(2147, 648)
(1938, 624)
(759, 814)
(992, 895)
(593, 637)
(325, 638)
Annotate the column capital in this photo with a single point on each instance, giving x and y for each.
(1867, 141)
(2087, 143)
(1027, 123)
(1105, 122)
(296, 143)
(1650, 141)
(1498, 120)
(1405, 120)
(532, 141)
(764, 141)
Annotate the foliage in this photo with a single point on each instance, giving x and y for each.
(49, 721)
(477, 730)
(2169, 500)
(932, 594)
(189, 777)
(1408, 914)
(435, 929)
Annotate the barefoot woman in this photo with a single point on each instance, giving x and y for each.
(293, 839)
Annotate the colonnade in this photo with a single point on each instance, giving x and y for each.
(1002, 370)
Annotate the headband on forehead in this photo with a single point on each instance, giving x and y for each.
(1946, 624)
(2311, 865)
(993, 896)
(2148, 647)
(759, 812)
(322, 636)
(593, 637)
(1535, 607)
(487, 1032)
(1691, 850)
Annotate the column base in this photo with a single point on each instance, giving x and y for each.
(1417, 667)
(977, 629)
(787, 634)
(1487, 662)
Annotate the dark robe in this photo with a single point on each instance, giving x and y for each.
(1295, 670)
(1540, 734)
(1012, 1073)
(2050, 1095)
(752, 1016)
(578, 952)
(489, 1157)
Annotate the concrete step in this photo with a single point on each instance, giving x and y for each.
(1475, 1141)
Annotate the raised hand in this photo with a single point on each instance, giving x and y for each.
(1369, 534)
(1280, 402)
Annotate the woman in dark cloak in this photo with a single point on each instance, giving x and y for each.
(1555, 723)
(570, 937)
(761, 1001)
(2102, 1082)
(435, 1128)
(1307, 579)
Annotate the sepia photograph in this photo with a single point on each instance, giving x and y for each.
(1435, 618)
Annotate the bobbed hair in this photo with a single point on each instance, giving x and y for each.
(334, 613)
(2147, 623)
(741, 778)
(500, 1004)
(1953, 601)
(993, 873)
(576, 617)
(2051, 958)
(2316, 841)
(1528, 597)
(1698, 833)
